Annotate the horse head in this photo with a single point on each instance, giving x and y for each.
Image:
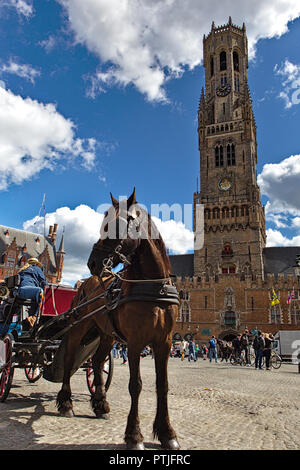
(116, 243)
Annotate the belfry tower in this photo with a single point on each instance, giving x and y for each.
(234, 221)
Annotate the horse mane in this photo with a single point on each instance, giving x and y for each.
(158, 243)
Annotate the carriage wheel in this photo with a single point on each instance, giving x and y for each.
(33, 374)
(107, 370)
(6, 369)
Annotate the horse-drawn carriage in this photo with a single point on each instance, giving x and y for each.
(138, 305)
(34, 348)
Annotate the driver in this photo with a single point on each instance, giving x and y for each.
(32, 283)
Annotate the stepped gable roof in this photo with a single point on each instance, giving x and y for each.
(35, 244)
(280, 259)
(182, 265)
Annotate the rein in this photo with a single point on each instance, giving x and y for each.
(106, 269)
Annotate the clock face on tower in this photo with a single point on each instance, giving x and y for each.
(225, 184)
(223, 90)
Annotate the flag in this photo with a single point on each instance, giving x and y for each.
(274, 298)
(288, 301)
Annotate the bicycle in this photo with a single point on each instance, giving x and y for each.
(276, 360)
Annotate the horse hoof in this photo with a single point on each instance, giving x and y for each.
(135, 446)
(102, 415)
(170, 444)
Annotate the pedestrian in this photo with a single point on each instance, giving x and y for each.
(183, 346)
(268, 349)
(258, 346)
(244, 346)
(192, 352)
(204, 352)
(32, 283)
(213, 349)
(114, 350)
(236, 343)
(124, 354)
(197, 351)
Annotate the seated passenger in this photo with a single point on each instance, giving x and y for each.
(32, 283)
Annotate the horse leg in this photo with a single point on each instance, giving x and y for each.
(99, 404)
(133, 435)
(64, 401)
(162, 428)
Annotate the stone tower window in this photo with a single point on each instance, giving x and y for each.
(211, 66)
(235, 61)
(223, 61)
(223, 80)
(230, 155)
(219, 157)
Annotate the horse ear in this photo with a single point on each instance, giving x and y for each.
(114, 201)
(132, 199)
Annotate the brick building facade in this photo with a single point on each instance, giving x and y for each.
(227, 284)
(17, 246)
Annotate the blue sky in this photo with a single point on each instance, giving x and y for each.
(102, 95)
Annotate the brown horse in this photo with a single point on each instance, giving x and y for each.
(139, 322)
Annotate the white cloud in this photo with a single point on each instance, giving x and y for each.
(82, 229)
(178, 239)
(145, 42)
(35, 136)
(49, 43)
(275, 238)
(291, 82)
(23, 7)
(22, 70)
(281, 183)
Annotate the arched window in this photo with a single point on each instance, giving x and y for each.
(275, 314)
(219, 157)
(223, 61)
(234, 211)
(216, 213)
(229, 318)
(207, 213)
(295, 316)
(230, 155)
(185, 312)
(225, 212)
(211, 66)
(244, 211)
(236, 83)
(235, 61)
(228, 269)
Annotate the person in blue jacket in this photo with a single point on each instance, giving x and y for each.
(32, 283)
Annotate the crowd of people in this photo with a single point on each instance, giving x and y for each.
(243, 343)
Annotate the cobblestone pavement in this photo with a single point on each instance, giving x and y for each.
(247, 409)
